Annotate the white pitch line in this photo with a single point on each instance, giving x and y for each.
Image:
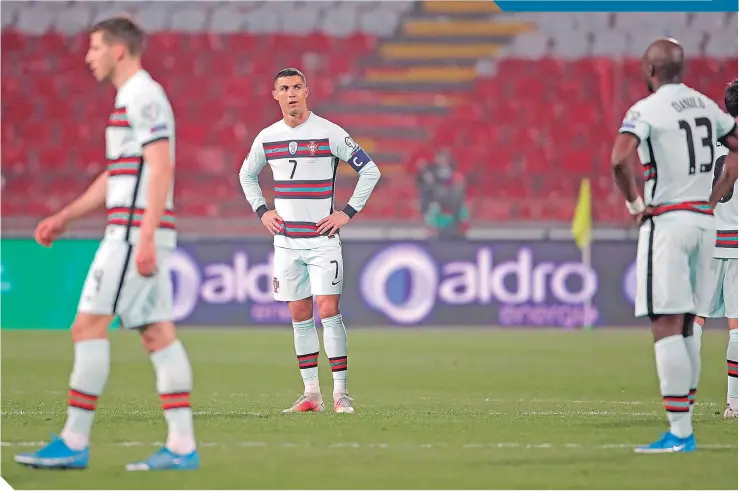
(500, 445)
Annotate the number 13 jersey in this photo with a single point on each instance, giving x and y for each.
(677, 128)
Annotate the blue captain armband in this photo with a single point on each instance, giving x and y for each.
(358, 159)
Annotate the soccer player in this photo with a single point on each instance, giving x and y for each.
(674, 131)
(129, 275)
(304, 151)
(723, 302)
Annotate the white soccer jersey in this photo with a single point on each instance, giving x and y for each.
(142, 115)
(304, 162)
(726, 212)
(677, 128)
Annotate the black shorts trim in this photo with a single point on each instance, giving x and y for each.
(650, 269)
(122, 278)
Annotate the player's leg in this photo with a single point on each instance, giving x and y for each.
(91, 360)
(705, 277)
(326, 269)
(663, 270)
(146, 305)
(731, 292)
(290, 284)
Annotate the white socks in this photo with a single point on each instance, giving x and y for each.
(731, 361)
(693, 345)
(89, 375)
(306, 348)
(675, 372)
(335, 344)
(174, 384)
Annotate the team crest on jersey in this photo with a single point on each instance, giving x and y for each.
(312, 147)
(292, 148)
(275, 284)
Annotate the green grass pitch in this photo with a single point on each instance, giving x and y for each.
(435, 409)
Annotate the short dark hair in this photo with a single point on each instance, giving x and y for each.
(730, 98)
(123, 30)
(289, 72)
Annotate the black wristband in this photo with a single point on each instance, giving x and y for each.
(350, 212)
(261, 211)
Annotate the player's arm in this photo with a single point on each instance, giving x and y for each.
(92, 199)
(157, 158)
(152, 124)
(249, 178)
(369, 174)
(633, 130)
(728, 128)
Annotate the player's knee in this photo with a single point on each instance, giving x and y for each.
(666, 325)
(301, 310)
(90, 326)
(733, 324)
(328, 306)
(158, 336)
(699, 320)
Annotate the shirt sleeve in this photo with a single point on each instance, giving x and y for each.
(151, 118)
(725, 123)
(345, 148)
(636, 123)
(249, 177)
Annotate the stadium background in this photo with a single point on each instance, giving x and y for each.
(527, 104)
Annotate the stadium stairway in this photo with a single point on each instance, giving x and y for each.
(416, 76)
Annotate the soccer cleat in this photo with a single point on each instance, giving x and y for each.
(165, 460)
(343, 404)
(669, 443)
(55, 455)
(730, 413)
(306, 404)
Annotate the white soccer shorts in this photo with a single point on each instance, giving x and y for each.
(302, 273)
(115, 287)
(673, 267)
(721, 300)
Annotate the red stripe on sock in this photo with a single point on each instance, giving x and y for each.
(82, 395)
(174, 395)
(82, 405)
(175, 405)
(677, 409)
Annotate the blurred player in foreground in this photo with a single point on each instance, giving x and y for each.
(723, 302)
(674, 131)
(304, 151)
(129, 276)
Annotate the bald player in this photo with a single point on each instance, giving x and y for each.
(674, 131)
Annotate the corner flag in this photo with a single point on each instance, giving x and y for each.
(582, 223)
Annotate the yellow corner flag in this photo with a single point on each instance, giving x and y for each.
(582, 222)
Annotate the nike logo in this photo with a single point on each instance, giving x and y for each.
(677, 448)
(335, 282)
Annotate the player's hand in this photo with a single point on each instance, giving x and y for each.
(146, 258)
(272, 221)
(640, 218)
(50, 229)
(332, 223)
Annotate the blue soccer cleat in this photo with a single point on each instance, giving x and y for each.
(669, 443)
(55, 455)
(164, 460)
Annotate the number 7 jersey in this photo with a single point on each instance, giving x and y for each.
(677, 128)
(304, 161)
